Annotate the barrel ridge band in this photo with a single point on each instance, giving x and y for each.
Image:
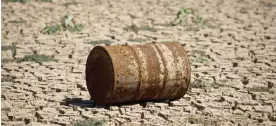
(139, 76)
(165, 69)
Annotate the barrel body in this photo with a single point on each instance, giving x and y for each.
(118, 74)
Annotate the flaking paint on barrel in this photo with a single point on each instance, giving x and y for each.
(140, 72)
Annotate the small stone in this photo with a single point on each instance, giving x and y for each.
(199, 106)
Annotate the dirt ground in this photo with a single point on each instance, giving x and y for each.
(232, 50)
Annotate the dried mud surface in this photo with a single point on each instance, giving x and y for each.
(233, 60)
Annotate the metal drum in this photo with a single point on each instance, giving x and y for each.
(118, 74)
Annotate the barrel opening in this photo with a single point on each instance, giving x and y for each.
(100, 75)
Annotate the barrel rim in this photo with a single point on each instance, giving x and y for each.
(102, 48)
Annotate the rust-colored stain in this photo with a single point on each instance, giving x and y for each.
(117, 74)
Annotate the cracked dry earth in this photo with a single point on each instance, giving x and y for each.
(233, 61)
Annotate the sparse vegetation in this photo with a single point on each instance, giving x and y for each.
(136, 29)
(7, 78)
(71, 3)
(193, 119)
(12, 48)
(147, 28)
(24, 1)
(77, 27)
(205, 84)
(7, 60)
(258, 89)
(17, 21)
(67, 24)
(97, 42)
(50, 30)
(198, 83)
(198, 59)
(37, 58)
(5, 48)
(46, 0)
(164, 24)
(190, 18)
(137, 40)
(90, 122)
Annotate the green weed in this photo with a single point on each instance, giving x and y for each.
(193, 119)
(137, 40)
(198, 60)
(164, 24)
(198, 83)
(133, 28)
(5, 48)
(17, 21)
(77, 27)
(90, 122)
(7, 78)
(184, 14)
(46, 0)
(12, 48)
(37, 58)
(24, 1)
(205, 84)
(50, 30)
(97, 42)
(136, 29)
(147, 28)
(67, 23)
(258, 89)
(7, 60)
(71, 3)
(21, 1)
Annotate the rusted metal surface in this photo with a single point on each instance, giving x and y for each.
(117, 74)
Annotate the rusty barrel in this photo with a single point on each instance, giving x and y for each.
(118, 74)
